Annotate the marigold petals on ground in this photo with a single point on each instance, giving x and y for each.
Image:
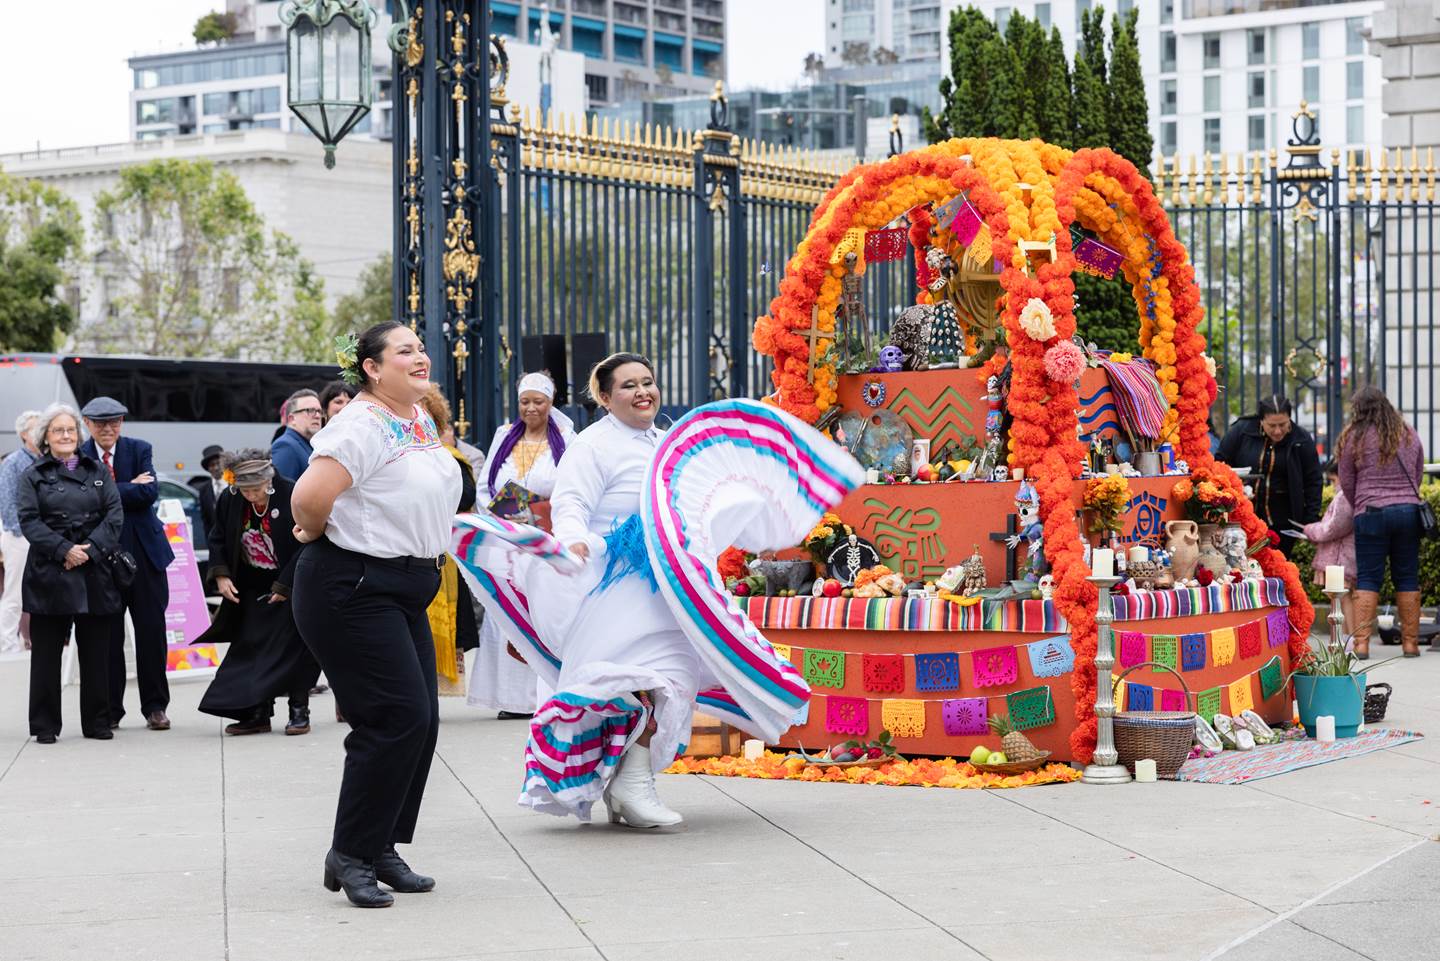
(924, 772)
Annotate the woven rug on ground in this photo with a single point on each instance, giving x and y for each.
(920, 773)
(1238, 767)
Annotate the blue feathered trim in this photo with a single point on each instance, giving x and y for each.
(625, 554)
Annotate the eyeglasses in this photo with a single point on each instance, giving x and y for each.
(305, 410)
(63, 431)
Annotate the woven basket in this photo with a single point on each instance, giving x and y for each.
(1377, 698)
(1015, 767)
(1162, 736)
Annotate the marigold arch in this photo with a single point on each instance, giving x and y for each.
(1030, 191)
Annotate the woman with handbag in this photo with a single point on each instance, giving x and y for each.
(252, 562)
(1381, 465)
(69, 509)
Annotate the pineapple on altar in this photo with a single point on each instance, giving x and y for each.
(1002, 415)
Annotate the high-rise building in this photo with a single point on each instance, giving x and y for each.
(634, 49)
(858, 32)
(1226, 76)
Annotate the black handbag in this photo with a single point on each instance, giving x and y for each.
(122, 568)
(1429, 527)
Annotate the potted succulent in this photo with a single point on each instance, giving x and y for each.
(1328, 681)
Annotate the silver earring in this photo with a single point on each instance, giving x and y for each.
(269, 491)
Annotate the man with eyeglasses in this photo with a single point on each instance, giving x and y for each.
(290, 453)
(131, 463)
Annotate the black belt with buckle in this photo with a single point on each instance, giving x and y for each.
(411, 563)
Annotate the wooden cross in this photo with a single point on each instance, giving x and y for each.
(814, 333)
(1012, 527)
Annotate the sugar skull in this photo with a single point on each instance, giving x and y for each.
(892, 359)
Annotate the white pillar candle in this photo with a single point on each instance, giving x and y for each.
(1335, 578)
(753, 749)
(872, 476)
(1102, 562)
(1139, 555)
(1112, 468)
(1017, 473)
(1145, 771)
(1325, 728)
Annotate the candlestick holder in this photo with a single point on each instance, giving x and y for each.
(1337, 617)
(1104, 767)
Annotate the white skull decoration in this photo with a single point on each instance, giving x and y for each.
(1047, 587)
(1000, 473)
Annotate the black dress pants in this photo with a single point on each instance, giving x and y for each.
(48, 633)
(146, 600)
(364, 619)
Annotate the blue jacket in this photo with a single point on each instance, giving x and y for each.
(143, 535)
(290, 454)
(16, 464)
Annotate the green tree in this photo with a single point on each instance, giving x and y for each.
(1092, 121)
(214, 27)
(1128, 106)
(197, 274)
(966, 93)
(370, 302)
(40, 231)
(1057, 105)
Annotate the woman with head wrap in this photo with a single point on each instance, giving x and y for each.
(525, 453)
(252, 564)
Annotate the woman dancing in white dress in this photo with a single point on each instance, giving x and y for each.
(645, 629)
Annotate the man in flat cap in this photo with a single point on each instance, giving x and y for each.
(210, 489)
(143, 536)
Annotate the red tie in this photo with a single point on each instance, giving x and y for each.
(108, 466)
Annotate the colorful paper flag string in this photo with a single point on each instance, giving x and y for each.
(1051, 657)
(847, 715)
(940, 672)
(1139, 697)
(884, 673)
(903, 717)
(1272, 678)
(824, 668)
(965, 715)
(995, 666)
(1192, 652)
(1030, 708)
(1222, 646)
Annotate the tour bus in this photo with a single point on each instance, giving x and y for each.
(179, 406)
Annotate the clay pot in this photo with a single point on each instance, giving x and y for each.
(1210, 557)
(1184, 548)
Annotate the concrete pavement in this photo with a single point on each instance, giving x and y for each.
(191, 846)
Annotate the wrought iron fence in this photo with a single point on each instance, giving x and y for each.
(1316, 277)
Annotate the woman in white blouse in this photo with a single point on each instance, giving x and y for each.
(525, 452)
(377, 500)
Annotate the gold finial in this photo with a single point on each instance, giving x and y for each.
(1365, 171)
(1350, 190)
(1207, 195)
(894, 123)
(1225, 180)
(719, 92)
(1383, 171)
(1304, 111)
(1429, 174)
(1414, 173)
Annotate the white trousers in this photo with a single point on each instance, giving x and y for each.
(15, 549)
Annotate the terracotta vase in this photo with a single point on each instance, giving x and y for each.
(1184, 548)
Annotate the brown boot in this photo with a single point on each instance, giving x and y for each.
(1365, 604)
(1407, 607)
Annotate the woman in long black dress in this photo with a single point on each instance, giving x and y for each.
(252, 562)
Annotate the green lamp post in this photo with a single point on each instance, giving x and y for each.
(330, 74)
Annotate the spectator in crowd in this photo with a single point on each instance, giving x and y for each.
(70, 513)
(252, 562)
(209, 490)
(335, 396)
(1334, 540)
(13, 546)
(1284, 467)
(130, 463)
(453, 623)
(290, 452)
(1381, 465)
(525, 452)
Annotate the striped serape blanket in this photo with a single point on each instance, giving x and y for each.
(1138, 397)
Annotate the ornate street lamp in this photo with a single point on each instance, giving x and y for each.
(330, 76)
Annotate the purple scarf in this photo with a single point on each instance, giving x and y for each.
(512, 437)
(71, 462)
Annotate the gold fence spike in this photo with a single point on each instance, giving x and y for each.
(1224, 179)
(1429, 174)
(1414, 172)
(1382, 171)
(1350, 176)
(1365, 171)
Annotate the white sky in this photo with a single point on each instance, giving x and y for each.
(64, 83)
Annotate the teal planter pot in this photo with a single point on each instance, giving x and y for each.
(1343, 698)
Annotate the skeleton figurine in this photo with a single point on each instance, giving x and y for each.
(911, 333)
(1032, 530)
(966, 578)
(850, 558)
(850, 315)
(994, 417)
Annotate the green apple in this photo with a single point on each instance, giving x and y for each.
(980, 755)
(997, 757)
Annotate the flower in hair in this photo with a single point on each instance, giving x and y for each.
(347, 348)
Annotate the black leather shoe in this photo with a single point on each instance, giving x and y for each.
(299, 721)
(357, 877)
(45, 738)
(104, 734)
(513, 716)
(391, 868)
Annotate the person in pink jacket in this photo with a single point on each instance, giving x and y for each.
(1334, 539)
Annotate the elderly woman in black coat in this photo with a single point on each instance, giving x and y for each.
(70, 512)
(252, 563)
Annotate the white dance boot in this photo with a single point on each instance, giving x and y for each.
(631, 798)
